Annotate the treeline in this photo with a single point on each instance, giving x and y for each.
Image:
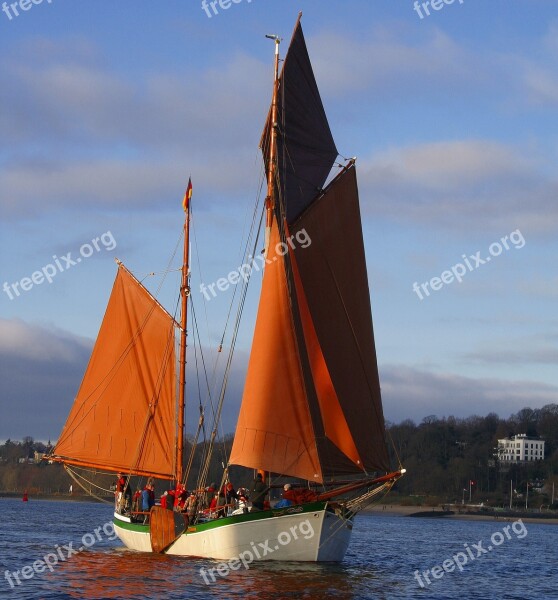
(15, 452)
(443, 455)
(21, 468)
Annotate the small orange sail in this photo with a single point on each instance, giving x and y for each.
(128, 391)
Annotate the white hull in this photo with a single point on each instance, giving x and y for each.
(316, 536)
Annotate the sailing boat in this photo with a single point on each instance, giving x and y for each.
(311, 408)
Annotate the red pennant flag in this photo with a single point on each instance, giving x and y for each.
(187, 196)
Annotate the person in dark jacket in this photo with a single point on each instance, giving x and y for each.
(147, 498)
(230, 494)
(258, 492)
(127, 491)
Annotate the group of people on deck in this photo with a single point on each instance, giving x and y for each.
(210, 502)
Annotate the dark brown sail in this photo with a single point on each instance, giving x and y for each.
(333, 283)
(305, 147)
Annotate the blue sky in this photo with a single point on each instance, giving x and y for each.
(107, 108)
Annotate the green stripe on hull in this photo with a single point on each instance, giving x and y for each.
(251, 516)
(131, 526)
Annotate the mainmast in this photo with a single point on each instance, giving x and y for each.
(272, 165)
(184, 293)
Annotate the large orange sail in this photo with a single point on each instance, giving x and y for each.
(123, 417)
(274, 430)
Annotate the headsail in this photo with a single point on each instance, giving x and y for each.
(311, 406)
(123, 417)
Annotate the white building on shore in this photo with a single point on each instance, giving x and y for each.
(520, 448)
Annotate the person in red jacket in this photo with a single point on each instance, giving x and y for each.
(298, 496)
(118, 494)
(136, 500)
(289, 493)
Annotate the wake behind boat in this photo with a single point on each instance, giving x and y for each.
(311, 409)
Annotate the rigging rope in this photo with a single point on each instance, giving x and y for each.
(242, 300)
(74, 475)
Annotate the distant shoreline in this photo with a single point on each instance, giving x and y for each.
(55, 497)
(438, 512)
(550, 518)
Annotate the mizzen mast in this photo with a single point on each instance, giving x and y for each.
(184, 293)
(272, 165)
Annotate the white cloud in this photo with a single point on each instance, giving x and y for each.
(458, 184)
(80, 134)
(542, 287)
(345, 64)
(518, 351)
(112, 184)
(47, 364)
(23, 341)
(542, 85)
(459, 162)
(40, 370)
(65, 101)
(550, 39)
(119, 141)
(414, 394)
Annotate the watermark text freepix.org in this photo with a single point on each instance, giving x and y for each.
(60, 554)
(421, 7)
(472, 262)
(245, 270)
(460, 559)
(61, 264)
(259, 552)
(22, 5)
(224, 4)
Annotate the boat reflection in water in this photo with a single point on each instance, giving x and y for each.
(122, 573)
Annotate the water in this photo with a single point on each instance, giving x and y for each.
(383, 555)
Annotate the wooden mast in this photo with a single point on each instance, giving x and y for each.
(184, 292)
(272, 165)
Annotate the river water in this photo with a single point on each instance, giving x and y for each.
(518, 563)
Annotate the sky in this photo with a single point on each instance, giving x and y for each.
(106, 109)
